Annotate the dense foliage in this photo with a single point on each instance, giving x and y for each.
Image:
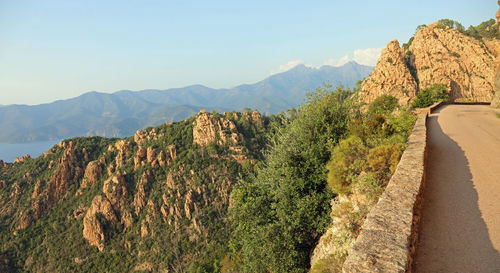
(372, 149)
(428, 96)
(279, 214)
(487, 29)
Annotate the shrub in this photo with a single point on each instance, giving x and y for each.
(427, 97)
(383, 105)
(346, 163)
(382, 160)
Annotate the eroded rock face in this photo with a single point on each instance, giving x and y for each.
(142, 135)
(22, 158)
(209, 129)
(67, 170)
(92, 228)
(436, 55)
(122, 146)
(390, 77)
(151, 153)
(334, 244)
(142, 188)
(92, 173)
(448, 56)
(116, 192)
(257, 119)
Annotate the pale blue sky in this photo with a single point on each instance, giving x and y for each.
(59, 49)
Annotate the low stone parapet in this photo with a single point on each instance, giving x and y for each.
(389, 234)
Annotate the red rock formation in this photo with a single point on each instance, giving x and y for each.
(390, 77)
(92, 173)
(116, 192)
(209, 129)
(92, 229)
(66, 171)
(437, 54)
(23, 158)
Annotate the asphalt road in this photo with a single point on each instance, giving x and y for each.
(460, 227)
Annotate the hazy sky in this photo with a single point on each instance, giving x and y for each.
(53, 50)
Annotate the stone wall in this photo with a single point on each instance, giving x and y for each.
(390, 232)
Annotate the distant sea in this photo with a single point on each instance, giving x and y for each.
(9, 151)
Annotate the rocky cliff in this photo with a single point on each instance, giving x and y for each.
(159, 198)
(436, 54)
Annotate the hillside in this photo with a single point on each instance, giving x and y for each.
(232, 192)
(122, 113)
(441, 53)
(156, 201)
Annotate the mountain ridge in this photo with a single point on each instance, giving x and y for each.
(123, 112)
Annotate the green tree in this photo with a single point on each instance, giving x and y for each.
(279, 215)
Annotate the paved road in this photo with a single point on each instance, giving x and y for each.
(460, 228)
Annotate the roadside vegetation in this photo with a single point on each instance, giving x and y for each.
(431, 95)
(331, 147)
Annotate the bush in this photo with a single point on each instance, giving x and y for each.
(382, 160)
(383, 105)
(346, 163)
(427, 97)
(487, 29)
(443, 23)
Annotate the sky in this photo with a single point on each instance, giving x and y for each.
(52, 50)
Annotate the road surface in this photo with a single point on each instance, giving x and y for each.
(460, 227)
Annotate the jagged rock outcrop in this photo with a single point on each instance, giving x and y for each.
(151, 153)
(142, 188)
(22, 158)
(142, 135)
(93, 230)
(68, 170)
(92, 172)
(37, 190)
(209, 129)
(254, 118)
(122, 146)
(116, 191)
(391, 76)
(437, 54)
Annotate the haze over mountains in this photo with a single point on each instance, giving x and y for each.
(122, 113)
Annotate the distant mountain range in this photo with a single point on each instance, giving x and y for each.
(122, 113)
